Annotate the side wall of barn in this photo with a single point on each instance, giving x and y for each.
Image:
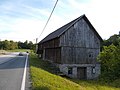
(50, 51)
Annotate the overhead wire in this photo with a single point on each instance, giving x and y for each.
(48, 19)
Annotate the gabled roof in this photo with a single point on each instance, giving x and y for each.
(64, 28)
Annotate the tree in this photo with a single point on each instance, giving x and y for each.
(114, 39)
(1, 45)
(6, 45)
(13, 45)
(10, 45)
(110, 61)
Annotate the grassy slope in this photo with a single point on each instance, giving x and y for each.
(18, 50)
(44, 80)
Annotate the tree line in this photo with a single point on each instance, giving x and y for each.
(110, 58)
(11, 45)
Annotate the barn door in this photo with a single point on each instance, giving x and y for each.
(57, 55)
(81, 72)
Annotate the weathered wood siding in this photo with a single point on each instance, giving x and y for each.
(54, 43)
(39, 51)
(79, 44)
(51, 43)
(53, 54)
(51, 50)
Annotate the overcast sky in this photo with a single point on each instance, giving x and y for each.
(22, 20)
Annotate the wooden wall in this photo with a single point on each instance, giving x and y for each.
(53, 54)
(73, 55)
(52, 50)
(51, 43)
(79, 44)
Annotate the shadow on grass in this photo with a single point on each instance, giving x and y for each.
(47, 66)
(97, 83)
(41, 88)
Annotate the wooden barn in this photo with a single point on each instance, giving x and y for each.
(74, 48)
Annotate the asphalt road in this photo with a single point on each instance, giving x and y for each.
(11, 72)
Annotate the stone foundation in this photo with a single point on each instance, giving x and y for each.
(92, 70)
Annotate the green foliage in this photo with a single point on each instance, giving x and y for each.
(26, 45)
(114, 39)
(11, 45)
(110, 58)
(8, 45)
(19, 50)
(110, 62)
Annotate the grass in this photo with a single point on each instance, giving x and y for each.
(98, 85)
(18, 50)
(43, 79)
(3, 52)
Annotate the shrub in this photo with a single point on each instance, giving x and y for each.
(110, 62)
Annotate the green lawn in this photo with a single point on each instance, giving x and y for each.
(3, 52)
(43, 79)
(18, 50)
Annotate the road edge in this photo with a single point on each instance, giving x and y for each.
(24, 74)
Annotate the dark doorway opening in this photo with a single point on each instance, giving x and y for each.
(81, 73)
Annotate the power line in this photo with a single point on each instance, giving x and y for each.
(48, 19)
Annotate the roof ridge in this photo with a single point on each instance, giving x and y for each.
(74, 21)
(61, 30)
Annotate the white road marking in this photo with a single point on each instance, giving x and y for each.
(24, 74)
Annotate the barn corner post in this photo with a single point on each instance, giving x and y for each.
(36, 46)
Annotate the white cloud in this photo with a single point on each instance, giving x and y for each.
(29, 21)
(103, 14)
(27, 29)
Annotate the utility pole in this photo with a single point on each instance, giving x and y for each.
(36, 45)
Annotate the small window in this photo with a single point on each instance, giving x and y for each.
(70, 70)
(90, 55)
(93, 70)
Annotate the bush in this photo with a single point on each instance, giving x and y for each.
(110, 62)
